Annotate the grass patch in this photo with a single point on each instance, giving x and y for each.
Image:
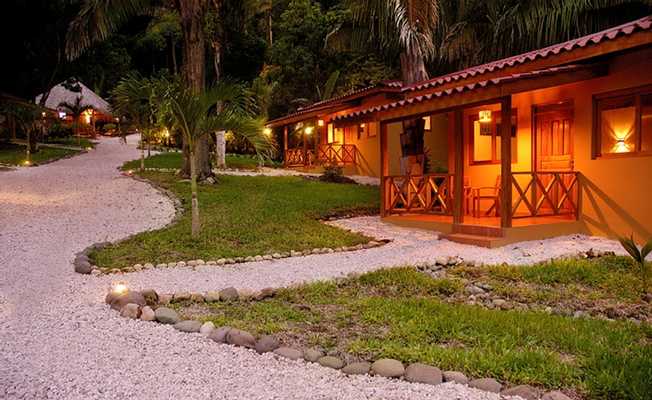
(72, 141)
(14, 154)
(613, 278)
(399, 313)
(175, 160)
(243, 216)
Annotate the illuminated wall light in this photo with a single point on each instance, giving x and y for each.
(621, 146)
(320, 122)
(362, 126)
(62, 114)
(484, 116)
(308, 130)
(43, 114)
(267, 131)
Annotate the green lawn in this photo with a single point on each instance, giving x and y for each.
(404, 314)
(243, 216)
(14, 154)
(174, 160)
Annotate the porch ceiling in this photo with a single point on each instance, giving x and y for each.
(475, 93)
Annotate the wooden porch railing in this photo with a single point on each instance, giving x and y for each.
(297, 156)
(424, 194)
(337, 154)
(545, 193)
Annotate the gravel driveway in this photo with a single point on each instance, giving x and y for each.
(59, 341)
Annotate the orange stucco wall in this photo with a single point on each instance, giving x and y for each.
(616, 192)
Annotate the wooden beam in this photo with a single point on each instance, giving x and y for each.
(458, 180)
(506, 162)
(384, 167)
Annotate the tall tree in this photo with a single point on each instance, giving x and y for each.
(407, 26)
(98, 19)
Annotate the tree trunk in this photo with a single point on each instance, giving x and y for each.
(142, 152)
(413, 68)
(194, 57)
(194, 203)
(220, 149)
(28, 155)
(173, 49)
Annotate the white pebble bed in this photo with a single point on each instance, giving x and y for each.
(59, 341)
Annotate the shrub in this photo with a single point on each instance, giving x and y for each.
(335, 174)
(60, 130)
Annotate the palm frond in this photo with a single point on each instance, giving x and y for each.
(646, 249)
(329, 87)
(98, 19)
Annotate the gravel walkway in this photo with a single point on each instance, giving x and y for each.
(59, 341)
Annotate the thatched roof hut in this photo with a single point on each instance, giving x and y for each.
(60, 94)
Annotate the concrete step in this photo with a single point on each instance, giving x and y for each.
(478, 230)
(474, 240)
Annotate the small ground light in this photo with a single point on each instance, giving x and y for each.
(119, 288)
(26, 162)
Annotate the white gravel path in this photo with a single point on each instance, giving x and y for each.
(59, 341)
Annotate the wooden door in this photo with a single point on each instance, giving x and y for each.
(553, 149)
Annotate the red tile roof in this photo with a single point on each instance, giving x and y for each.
(457, 90)
(383, 87)
(608, 34)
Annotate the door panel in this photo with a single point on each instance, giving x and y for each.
(554, 148)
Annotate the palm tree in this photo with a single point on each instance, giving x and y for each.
(76, 109)
(98, 19)
(472, 32)
(223, 107)
(407, 26)
(136, 97)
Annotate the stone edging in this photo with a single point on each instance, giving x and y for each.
(83, 265)
(149, 306)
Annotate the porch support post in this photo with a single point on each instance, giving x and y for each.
(506, 162)
(458, 180)
(384, 168)
(305, 147)
(285, 145)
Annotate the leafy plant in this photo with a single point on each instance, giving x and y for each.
(335, 174)
(639, 256)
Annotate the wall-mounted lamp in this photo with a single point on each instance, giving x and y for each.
(267, 131)
(320, 122)
(308, 130)
(484, 116)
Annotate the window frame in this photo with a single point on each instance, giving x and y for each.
(609, 98)
(494, 151)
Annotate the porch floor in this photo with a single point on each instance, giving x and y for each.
(486, 231)
(482, 221)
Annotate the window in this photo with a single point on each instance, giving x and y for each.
(335, 135)
(485, 138)
(623, 123)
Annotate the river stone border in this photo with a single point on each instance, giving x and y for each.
(154, 309)
(81, 258)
